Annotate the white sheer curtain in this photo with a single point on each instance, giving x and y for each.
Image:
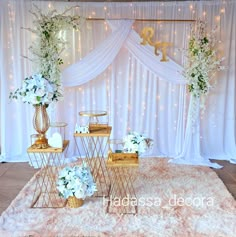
(133, 96)
(16, 125)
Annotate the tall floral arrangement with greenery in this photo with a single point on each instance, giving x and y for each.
(49, 43)
(202, 60)
(45, 85)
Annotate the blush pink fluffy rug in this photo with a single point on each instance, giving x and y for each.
(174, 201)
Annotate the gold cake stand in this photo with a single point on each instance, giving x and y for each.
(93, 115)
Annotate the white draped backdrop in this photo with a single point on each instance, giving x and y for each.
(107, 69)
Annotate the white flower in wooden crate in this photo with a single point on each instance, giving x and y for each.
(137, 143)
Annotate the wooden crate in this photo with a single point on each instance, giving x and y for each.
(122, 160)
(96, 127)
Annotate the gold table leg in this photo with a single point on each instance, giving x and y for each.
(122, 198)
(95, 149)
(45, 192)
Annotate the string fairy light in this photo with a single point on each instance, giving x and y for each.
(217, 18)
(222, 10)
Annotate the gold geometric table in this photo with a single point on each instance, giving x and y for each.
(122, 168)
(93, 147)
(51, 161)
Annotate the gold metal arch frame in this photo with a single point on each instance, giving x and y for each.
(147, 33)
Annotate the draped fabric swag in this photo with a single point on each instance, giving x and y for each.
(101, 57)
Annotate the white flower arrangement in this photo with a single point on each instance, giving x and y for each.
(37, 90)
(76, 181)
(202, 60)
(49, 44)
(136, 143)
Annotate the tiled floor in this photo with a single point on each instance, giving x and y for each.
(228, 175)
(13, 177)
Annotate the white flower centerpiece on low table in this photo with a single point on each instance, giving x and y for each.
(75, 184)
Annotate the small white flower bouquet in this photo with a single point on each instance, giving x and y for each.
(37, 90)
(76, 181)
(136, 143)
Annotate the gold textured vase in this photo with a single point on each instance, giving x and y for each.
(74, 202)
(41, 124)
